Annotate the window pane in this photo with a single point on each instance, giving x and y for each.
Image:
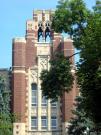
(44, 101)
(34, 86)
(34, 104)
(53, 122)
(34, 93)
(44, 122)
(54, 104)
(33, 122)
(34, 100)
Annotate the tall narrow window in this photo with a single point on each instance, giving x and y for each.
(53, 122)
(44, 101)
(34, 122)
(34, 94)
(44, 122)
(54, 104)
(40, 32)
(47, 32)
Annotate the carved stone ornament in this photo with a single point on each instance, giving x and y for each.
(43, 63)
(34, 75)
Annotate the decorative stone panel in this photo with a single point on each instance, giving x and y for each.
(44, 111)
(34, 111)
(34, 75)
(43, 49)
(43, 62)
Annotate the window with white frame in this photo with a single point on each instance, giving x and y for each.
(34, 94)
(53, 104)
(44, 101)
(34, 122)
(53, 122)
(44, 122)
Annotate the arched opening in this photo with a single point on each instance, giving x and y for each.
(47, 33)
(40, 32)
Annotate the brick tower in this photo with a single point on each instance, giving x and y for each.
(30, 55)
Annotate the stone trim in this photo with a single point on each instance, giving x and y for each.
(19, 39)
(19, 71)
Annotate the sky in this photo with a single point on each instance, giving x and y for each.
(13, 16)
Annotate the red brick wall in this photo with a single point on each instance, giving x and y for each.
(19, 90)
(31, 51)
(68, 99)
(56, 43)
(68, 49)
(18, 80)
(18, 54)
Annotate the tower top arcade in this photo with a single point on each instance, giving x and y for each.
(40, 26)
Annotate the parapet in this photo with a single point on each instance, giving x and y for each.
(19, 39)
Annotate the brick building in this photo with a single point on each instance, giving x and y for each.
(30, 55)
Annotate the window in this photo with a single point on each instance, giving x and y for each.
(34, 94)
(34, 122)
(53, 122)
(40, 32)
(54, 104)
(34, 101)
(34, 86)
(44, 122)
(44, 101)
(47, 33)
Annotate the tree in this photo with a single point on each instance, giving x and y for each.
(5, 115)
(71, 17)
(80, 124)
(4, 97)
(84, 27)
(58, 79)
(89, 68)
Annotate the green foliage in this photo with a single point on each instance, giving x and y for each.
(80, 124)
(89, 70)
(70, 17)
(97, 8)
(5, 115)
(4, 97)
(6, 125)
(84, 27)
(58, 79)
